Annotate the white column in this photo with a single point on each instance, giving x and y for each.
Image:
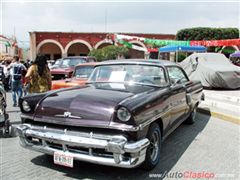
(33, 46)
(172, 56)
(64, 55)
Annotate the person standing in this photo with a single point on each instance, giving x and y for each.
(2, 74)
(16, 69)
(7, 75)
(39, 76)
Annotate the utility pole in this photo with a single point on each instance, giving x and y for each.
(106, 20)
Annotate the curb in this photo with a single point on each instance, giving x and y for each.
(222, 97)
(225, 117)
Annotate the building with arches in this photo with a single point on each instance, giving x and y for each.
(61, 44)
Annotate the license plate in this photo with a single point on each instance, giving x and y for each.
(62, 158)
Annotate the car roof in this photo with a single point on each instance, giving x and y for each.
(139, 61)
(78, 57)
(87, 64)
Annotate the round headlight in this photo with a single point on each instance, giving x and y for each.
(26, 106)
(123, 114)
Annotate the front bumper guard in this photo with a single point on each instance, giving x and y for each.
(119, 152)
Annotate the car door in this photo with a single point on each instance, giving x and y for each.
(178, 94)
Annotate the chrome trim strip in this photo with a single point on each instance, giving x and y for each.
(69, 116)
(26, 116)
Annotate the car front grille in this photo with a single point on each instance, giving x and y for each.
(58, 76)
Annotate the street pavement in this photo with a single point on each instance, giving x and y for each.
(211, 145)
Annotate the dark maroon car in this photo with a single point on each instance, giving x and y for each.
(64, 67)
(120, 118)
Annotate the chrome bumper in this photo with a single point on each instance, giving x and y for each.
(94, 148)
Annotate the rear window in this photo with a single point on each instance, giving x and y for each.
(71, 62)
(83, 71)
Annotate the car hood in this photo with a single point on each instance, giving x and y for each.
(70, 82)
(89, 105)
(61, 70)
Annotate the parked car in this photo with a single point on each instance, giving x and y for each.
(214, 70)
(79, 77)
(235, 58)
(119, 118)
(51, 63)
(65, 66)
(56, 64)
(5, 126)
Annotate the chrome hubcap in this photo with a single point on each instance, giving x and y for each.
(154, 145)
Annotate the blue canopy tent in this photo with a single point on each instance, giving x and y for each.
(182, 49)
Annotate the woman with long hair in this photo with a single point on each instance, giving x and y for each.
(39, 76)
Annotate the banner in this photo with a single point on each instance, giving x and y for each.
(130, 45)
(166, 42)
(163, 42)
(129, 38)
(5, 42)
(225, 42)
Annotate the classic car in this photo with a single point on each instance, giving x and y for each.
(119, 118)
(79, 77)
(55, 65)
(65, 66)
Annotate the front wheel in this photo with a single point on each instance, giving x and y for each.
(153, 150)
(192, 117)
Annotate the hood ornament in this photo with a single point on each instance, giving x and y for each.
(68, 115)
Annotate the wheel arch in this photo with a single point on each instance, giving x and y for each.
(159, 121)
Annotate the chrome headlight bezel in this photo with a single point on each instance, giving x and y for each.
(123, 114)
(26, 107)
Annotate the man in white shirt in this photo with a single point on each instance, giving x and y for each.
(16, 69)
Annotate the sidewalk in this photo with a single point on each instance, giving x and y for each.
(222, 104)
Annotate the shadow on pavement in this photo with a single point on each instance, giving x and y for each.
(172, 150)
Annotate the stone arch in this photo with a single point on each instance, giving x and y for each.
(51, 48)
(135, 53)
(78, 41)
(103, 42)
(138, 43)
(49, 41)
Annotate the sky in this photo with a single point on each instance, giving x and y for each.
(153, 16)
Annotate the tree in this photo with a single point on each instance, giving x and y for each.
(205, 33)
(109, 52)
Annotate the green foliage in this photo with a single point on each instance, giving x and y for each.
(205, 33)
(109, 52)
(181, 56)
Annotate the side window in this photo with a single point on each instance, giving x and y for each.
(176, 74)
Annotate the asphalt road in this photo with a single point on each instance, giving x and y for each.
(209, 146)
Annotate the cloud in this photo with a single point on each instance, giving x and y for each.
(160, 17)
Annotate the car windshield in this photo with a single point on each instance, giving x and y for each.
(83, 71)
(140, 74)
(58, 62)
(71, 62)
